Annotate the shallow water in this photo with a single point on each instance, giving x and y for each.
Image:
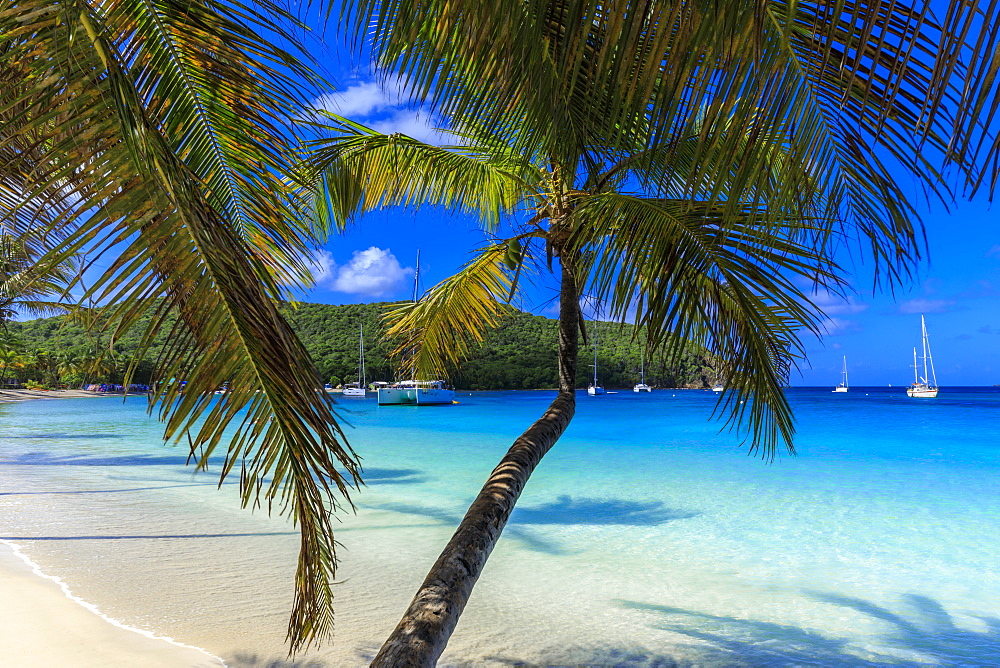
(645, 537)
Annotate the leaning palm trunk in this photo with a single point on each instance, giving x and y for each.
(424, 631)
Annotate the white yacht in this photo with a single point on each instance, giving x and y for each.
(641, 385)
(923, 387)
(842, 387)
(718, 387)
(358, 389)
(415, 393)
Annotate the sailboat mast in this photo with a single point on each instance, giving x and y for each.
(642, 367)
(916, 378)
(845, 370)
(923, 339)
(595, 353)
(416, 277)
(361, 356)
(928, 355)
(416, 289)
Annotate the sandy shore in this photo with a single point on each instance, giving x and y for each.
(24, 395)
(42, 626)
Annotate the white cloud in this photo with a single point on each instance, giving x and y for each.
(322, 266)
(414, 124)
(372, 273)
(993, 251)
(360, 100)
(913, 306)
(385, 107)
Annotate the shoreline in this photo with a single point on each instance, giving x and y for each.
(43, 623)
(28, 395)
(10, 396)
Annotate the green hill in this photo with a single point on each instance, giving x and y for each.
(520, 354)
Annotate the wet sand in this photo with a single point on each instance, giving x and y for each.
(41, 625)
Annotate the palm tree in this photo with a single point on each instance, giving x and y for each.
(10, 354)
(155, 137)
(27, 286)
(685, 164)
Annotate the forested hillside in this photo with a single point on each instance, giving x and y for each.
(521, 354)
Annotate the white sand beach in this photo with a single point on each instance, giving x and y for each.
(41, 626)
(24, 395)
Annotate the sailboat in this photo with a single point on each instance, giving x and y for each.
(594, 389)
(843, 374)
(641, 385)
(416, 392)
(924, 387)
(358, 389)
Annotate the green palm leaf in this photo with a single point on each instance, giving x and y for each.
(435, 333)
(688, 274)
(152, 135)
(359, 170)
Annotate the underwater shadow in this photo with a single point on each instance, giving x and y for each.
(637, 657)
(393, 476)
(108, 491)
(63, 436)
(46, 459)
(736, 640)
(567, 510)
(929, 636)
(245, 660)
(249, 660)
(450, 519)
(929, 629)
(155, 536)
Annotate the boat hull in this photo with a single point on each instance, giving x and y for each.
(594, 391)
(433, 396)
(840, 389)
(414, 396)
(397, 396)
(642, 388)
(919, 393)
(354, 392)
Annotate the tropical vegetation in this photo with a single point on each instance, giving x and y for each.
(518, 355)
(26, 285)
(696, 172)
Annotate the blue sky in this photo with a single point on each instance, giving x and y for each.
(957, 287)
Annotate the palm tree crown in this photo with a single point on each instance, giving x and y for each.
(694, 167)
(157, 136)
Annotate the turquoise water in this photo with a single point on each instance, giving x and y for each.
(645, 537)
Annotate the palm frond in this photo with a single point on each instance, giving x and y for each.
(861, 92)
(435, 333)
(158, 132)
(360, 170)
(689, 274)
(28, 286)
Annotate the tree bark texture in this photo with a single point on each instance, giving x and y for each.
(423, 633)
